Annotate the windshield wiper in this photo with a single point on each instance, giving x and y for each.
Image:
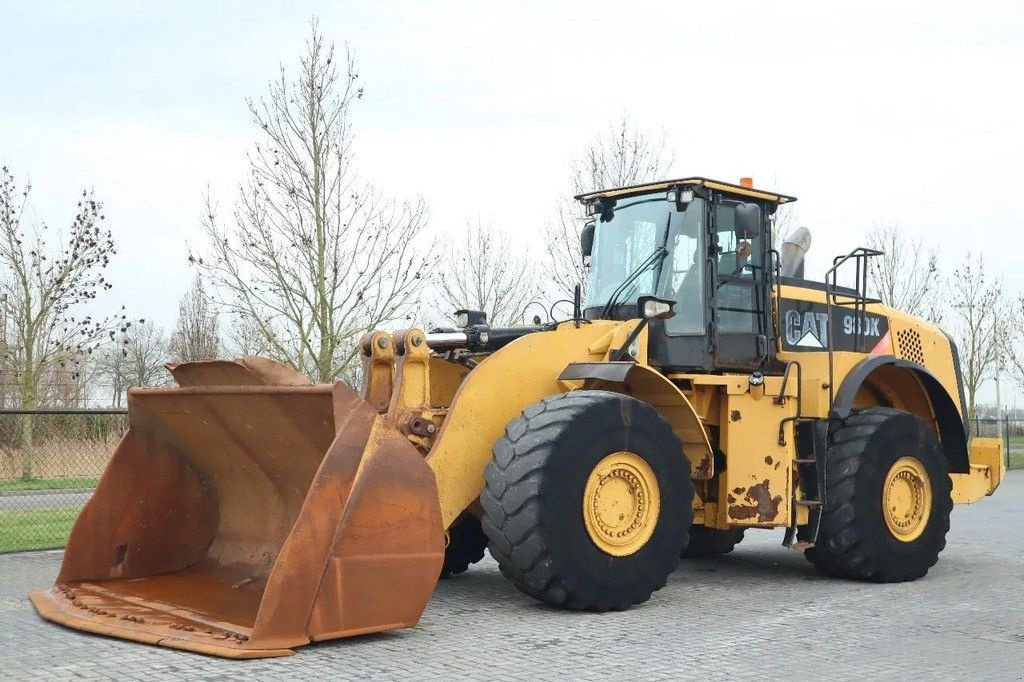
(649, 262)
(655, 259)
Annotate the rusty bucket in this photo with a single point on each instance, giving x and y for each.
(247, 512)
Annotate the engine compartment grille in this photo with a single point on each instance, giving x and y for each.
(909, 343)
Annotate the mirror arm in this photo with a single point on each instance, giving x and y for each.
(623, 351)
(577, 306)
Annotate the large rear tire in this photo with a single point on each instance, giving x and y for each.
(887, 499)
(706, 543)
(588, 501)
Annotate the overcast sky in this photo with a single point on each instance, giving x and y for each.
(907, 112)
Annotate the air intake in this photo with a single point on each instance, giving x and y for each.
(909, 344)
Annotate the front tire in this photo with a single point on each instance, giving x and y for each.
(887, 500)
(588, 501)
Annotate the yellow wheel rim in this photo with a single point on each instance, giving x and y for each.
(907, 499)
(621, 502)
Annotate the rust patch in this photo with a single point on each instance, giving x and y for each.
(738, 491)
(768, 460)
(703, 469)
(777, 465)
(735, 416)
(732, 500)
(759, 503)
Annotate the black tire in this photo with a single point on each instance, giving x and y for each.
(466, 545)
(711, 542)
(534, 494)
(854, 541)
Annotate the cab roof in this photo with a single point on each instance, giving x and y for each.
(665, 185)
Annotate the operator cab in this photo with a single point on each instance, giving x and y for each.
(702, 243)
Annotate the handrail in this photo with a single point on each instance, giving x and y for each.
(781, 398)
(860, 251)
(860, 256)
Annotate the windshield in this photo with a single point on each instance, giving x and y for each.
(630, 235)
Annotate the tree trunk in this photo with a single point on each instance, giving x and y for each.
(27, 422)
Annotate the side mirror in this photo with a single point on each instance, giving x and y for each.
(748, 221)
(587, 239)
(654, 308)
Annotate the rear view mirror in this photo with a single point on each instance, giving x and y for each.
(748, 221)
(653, 308)
(587, 240)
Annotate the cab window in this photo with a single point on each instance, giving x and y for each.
(740, 265)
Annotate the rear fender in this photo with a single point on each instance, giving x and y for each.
(894, 382)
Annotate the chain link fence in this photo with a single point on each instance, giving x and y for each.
(50, 461)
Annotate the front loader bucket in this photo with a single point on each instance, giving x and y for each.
(250, 515)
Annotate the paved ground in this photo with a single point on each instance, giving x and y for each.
(44, 499)
(758, 613)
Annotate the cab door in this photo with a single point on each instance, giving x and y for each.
(739, 300)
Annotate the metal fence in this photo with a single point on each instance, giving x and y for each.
(1010, 430)
(50, 461)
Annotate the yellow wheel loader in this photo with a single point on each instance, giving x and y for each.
(703, 388)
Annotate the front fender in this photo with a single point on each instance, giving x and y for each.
(652, 387)
(495, 393)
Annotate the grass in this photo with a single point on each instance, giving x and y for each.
(1016, 459)
(47, 484)
(36, 528)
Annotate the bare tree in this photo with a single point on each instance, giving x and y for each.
(1013, 351)
(976, 307)
(244, 337)
(138, 360)
(146, 351)
(69, 385)
(622, 155)
(483, 273)
(45, 286)
(315, 257)
(112, 366)
(197, 334)
(906, 276)
(784, 223)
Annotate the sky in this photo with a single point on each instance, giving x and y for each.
(868, 112)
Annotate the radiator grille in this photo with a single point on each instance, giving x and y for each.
(910, 348)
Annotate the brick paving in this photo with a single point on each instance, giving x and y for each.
(759, 613)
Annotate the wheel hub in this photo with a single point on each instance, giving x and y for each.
(621, 502)
(907, 499)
